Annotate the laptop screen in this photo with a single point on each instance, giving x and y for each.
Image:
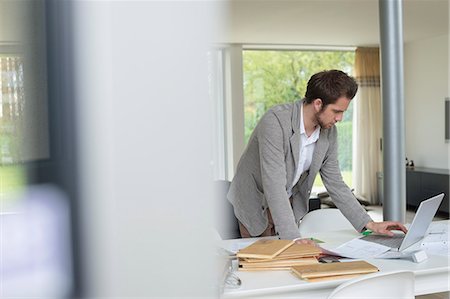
(422, 220)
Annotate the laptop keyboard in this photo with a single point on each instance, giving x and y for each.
(393, 242)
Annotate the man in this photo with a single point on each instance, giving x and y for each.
(289, 146)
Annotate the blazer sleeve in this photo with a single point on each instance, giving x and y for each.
(339, 192)
(273, 174)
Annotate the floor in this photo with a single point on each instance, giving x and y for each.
(376, 212)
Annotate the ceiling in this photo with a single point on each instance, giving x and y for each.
(328, 22)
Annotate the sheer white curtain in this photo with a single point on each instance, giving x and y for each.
(368, 125)
(11, 108)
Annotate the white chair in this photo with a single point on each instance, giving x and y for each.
(398, 285)
(323, 220)
(226, 224)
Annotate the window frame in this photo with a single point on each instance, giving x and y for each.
(239, 137)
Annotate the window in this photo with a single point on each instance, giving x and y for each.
(277, 76)
(11, 122)
(11, 107)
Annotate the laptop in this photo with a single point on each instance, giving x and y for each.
(419, 226)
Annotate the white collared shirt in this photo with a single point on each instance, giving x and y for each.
(307, 145)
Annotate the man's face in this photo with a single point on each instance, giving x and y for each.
(332, 113)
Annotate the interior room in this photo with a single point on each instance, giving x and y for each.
(348, 25)
(284, 26)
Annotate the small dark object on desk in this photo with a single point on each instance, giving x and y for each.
(329, 259)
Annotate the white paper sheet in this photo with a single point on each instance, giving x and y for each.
(359, 249)
(394, 255)
(238, 246)
(436, 242)
(436, 249)
(435, 238)
(438, 228)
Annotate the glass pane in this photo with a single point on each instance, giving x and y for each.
(11, 108)
(24, 134)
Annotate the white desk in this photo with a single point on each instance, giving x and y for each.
(431, 276)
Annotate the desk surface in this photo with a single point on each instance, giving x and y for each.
(431, 276)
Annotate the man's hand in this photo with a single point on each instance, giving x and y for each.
(385, 227)
(306, 241)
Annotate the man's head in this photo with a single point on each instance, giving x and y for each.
(330, 93)
(330, 86)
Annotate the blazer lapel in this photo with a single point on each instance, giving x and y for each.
(319, 153)
(295, 138)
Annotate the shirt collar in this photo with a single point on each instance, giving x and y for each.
(315, 134)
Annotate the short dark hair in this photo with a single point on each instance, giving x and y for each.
(329, 86)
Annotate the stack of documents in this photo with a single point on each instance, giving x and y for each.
(330, 271)
(436, 241)
(276, 255)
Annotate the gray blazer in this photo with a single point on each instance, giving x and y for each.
(267, 168)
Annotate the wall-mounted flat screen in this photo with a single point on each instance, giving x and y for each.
(447, 119)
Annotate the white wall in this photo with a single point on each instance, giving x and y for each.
(426, 86)
(12, 18)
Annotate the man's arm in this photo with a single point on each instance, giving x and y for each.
(346, 201)
(340, 193)
(273, 174)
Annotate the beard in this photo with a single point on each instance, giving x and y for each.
(322, 124)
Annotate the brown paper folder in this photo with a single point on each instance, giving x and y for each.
(294, 251)
(328, 278)
(279, 263)
(298, 251)
(287, 268)
(333, 269)
(264, 249)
